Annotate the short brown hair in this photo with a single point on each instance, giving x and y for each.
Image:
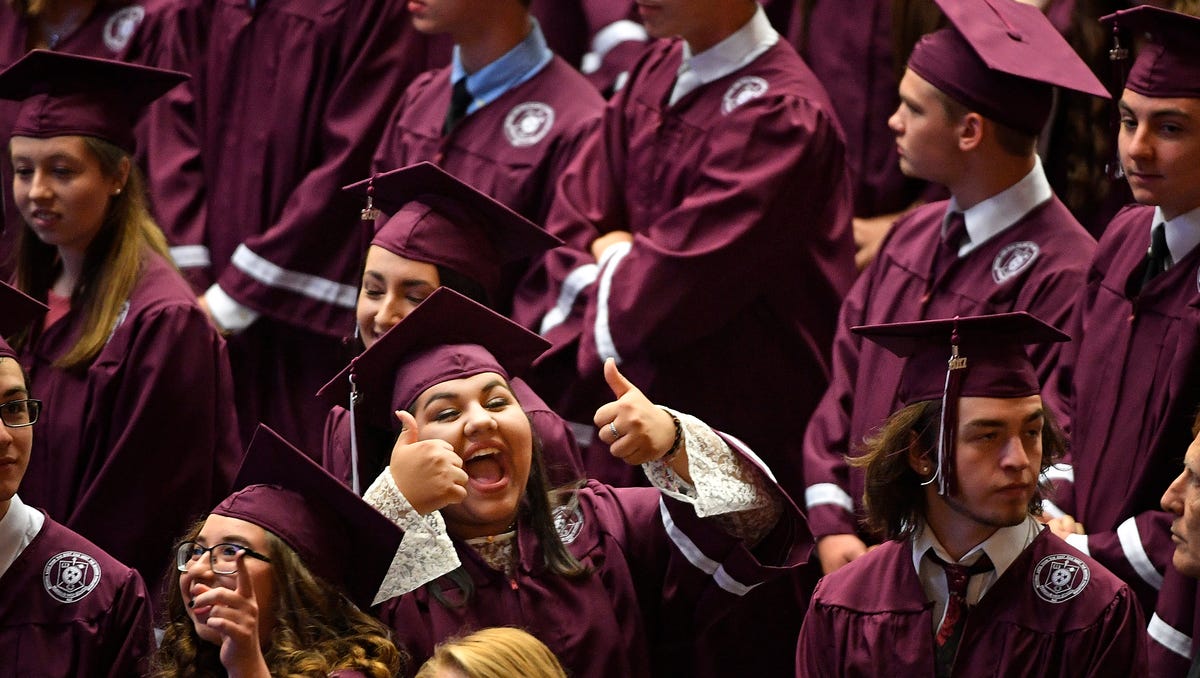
(893, 495)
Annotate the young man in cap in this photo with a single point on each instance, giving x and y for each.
(67, 608)
(709, 230)
(970, 582)
(1135, 385)
(973, 100)
(505, 116)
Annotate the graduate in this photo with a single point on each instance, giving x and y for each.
(615, 581)
(969, 582)
(67, 608)
(441, 232)
(708, 225)
(135, 374)
(505, 116)
(1182, 500)
(497, 652)
(973, 100)
(286, 104)
(274, 581)
(1135, 387)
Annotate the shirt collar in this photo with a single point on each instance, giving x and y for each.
(1183, 232)
(1002, 548)
(517, 65)
(745, 45)
(17, 529)
(995, 215)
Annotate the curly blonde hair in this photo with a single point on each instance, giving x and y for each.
(499, 652)
(317, 629)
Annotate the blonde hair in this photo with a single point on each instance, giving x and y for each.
(499, 652)
(112, 265)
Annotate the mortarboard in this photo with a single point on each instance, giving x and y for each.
(1168, 61)
(67, 94)
(975, 356)
(17, 311)
(1000, 59)
(438, 219)
(339, 537)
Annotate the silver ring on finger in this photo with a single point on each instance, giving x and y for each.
(612, 426)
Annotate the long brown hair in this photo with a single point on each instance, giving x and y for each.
(317, 629)
(112, 264)
(893, 495)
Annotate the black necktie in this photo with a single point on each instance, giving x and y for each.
(1159, 256)
(955, 619)
(460, 100)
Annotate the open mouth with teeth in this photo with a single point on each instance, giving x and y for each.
(487, 470)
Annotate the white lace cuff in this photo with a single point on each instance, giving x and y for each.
(722, 481)
(426, 551)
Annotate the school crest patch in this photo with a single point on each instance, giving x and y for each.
(1013, 259)
(568, 521)
(1060, 577)
(528, 123)
(745, 89)
(70, 575)
(120, 27)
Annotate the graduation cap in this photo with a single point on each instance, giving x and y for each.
(438, 219)
(1001, 58)
(976, 356)
(1168, 62)
(17, 311)
(339, 537)
(67, 94)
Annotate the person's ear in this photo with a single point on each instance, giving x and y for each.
(970, 131)
(918, 458)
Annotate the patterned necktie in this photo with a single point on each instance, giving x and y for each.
(1159, 257)
(460, 100)
(950, 632)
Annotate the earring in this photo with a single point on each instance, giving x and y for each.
(117, 192)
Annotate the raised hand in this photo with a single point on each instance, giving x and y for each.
(429, 473)
(233, 613)
(635, 429)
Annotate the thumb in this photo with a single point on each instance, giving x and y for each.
(410, 434)
(616, 381)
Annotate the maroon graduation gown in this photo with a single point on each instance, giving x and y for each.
(659, 577)
(871, 618)
(141, 443)
(560, 451)
(989, 279)
(106, 33)
(1135, 388)
(286, 104)
(738, 200)
(67, 608)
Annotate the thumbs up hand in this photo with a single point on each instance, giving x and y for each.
(429, 473)
(635, 429)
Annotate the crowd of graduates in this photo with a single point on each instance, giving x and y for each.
(599, 338)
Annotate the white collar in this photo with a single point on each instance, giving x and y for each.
(1183, 232)
(995, 215)
(742, 47)
(1002, 548)
(18, 527)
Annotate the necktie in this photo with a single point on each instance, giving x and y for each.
(460, 100)
(1159, 257)
(950, 632)
(952, 240)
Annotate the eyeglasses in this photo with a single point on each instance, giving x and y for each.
(20, 413)
(222, 558)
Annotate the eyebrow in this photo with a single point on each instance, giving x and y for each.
(997, 423)
(15, 391)
(450, 395)
(1156, 113)
(410, 282)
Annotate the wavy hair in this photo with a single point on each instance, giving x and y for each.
(317, 629)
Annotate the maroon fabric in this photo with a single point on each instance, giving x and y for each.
(871, 618)
(1168, 62)
(17, 312)
(106, 632)
(639, 612)
(741, 222)
(866, 377)
(560, 451)
(143, 441)
(337, 535)
(479, 152)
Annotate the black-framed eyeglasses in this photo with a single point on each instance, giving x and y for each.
(20, 413)
(222, 558)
